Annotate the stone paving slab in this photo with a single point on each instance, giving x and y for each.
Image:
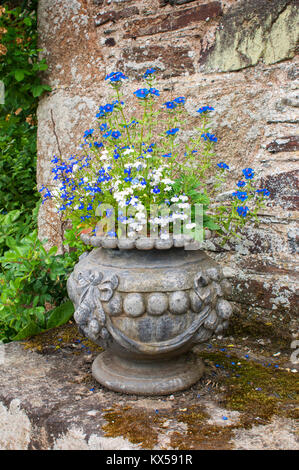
(49, 400)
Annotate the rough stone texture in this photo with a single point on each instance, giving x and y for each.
(48, 400)
(255, 30)
(236, 55)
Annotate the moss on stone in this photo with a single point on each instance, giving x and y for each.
(241, 325)
(137, 425)
(255, 389)
(58, 338)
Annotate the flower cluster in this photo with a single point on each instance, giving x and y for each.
(129, 164)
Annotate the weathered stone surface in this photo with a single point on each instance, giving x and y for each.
(284, 144)
(254, 30)
(177, 20)
(115, 15)
(172, 60)
(284, 189)
(48, 400)
(174, 2)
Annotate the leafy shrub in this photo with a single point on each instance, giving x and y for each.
(33, 288)
(19, 71)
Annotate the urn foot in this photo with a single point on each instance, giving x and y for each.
(147, 377)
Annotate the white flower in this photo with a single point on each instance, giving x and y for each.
(190, 226)
(167, 181)
(128, 151)
(174, 199)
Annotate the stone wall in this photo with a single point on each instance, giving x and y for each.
(236, 55)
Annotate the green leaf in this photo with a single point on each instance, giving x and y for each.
(37, 90)
(29, 330)
(60, 315)
(27, 21)
(211, 225)
(19, 75)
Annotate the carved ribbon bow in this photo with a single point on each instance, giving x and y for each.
(95, 290)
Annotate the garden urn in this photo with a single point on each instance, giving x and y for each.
(148, 303)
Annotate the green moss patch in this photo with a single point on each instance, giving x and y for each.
(64, 337)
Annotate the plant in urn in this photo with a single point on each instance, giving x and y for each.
(141, 193)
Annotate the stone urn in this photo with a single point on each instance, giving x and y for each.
(147, 304)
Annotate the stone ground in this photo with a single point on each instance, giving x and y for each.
(49, 400)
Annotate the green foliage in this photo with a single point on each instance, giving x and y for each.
(33, 293)
(33, 281)
(19, 71)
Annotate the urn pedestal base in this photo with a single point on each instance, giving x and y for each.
(147, 377)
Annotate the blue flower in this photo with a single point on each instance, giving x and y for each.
(180, 100)
(98, 144)
(115, 77)
(102, 112)
(170, 105)
(242, 196)
(149, 72)
(242, 211)
(156, 190)
(115, 134)
(210, 137)
(141, 93)
(108, 108)
(167, 155)
(172, 131)
(264, 192)
(103, 127)
(88, 133)
(205, 109)
(107, 134)
(223, 165)
(248, 173)
(240, 184)
(154, 91)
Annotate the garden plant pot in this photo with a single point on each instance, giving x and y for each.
(147, 309)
